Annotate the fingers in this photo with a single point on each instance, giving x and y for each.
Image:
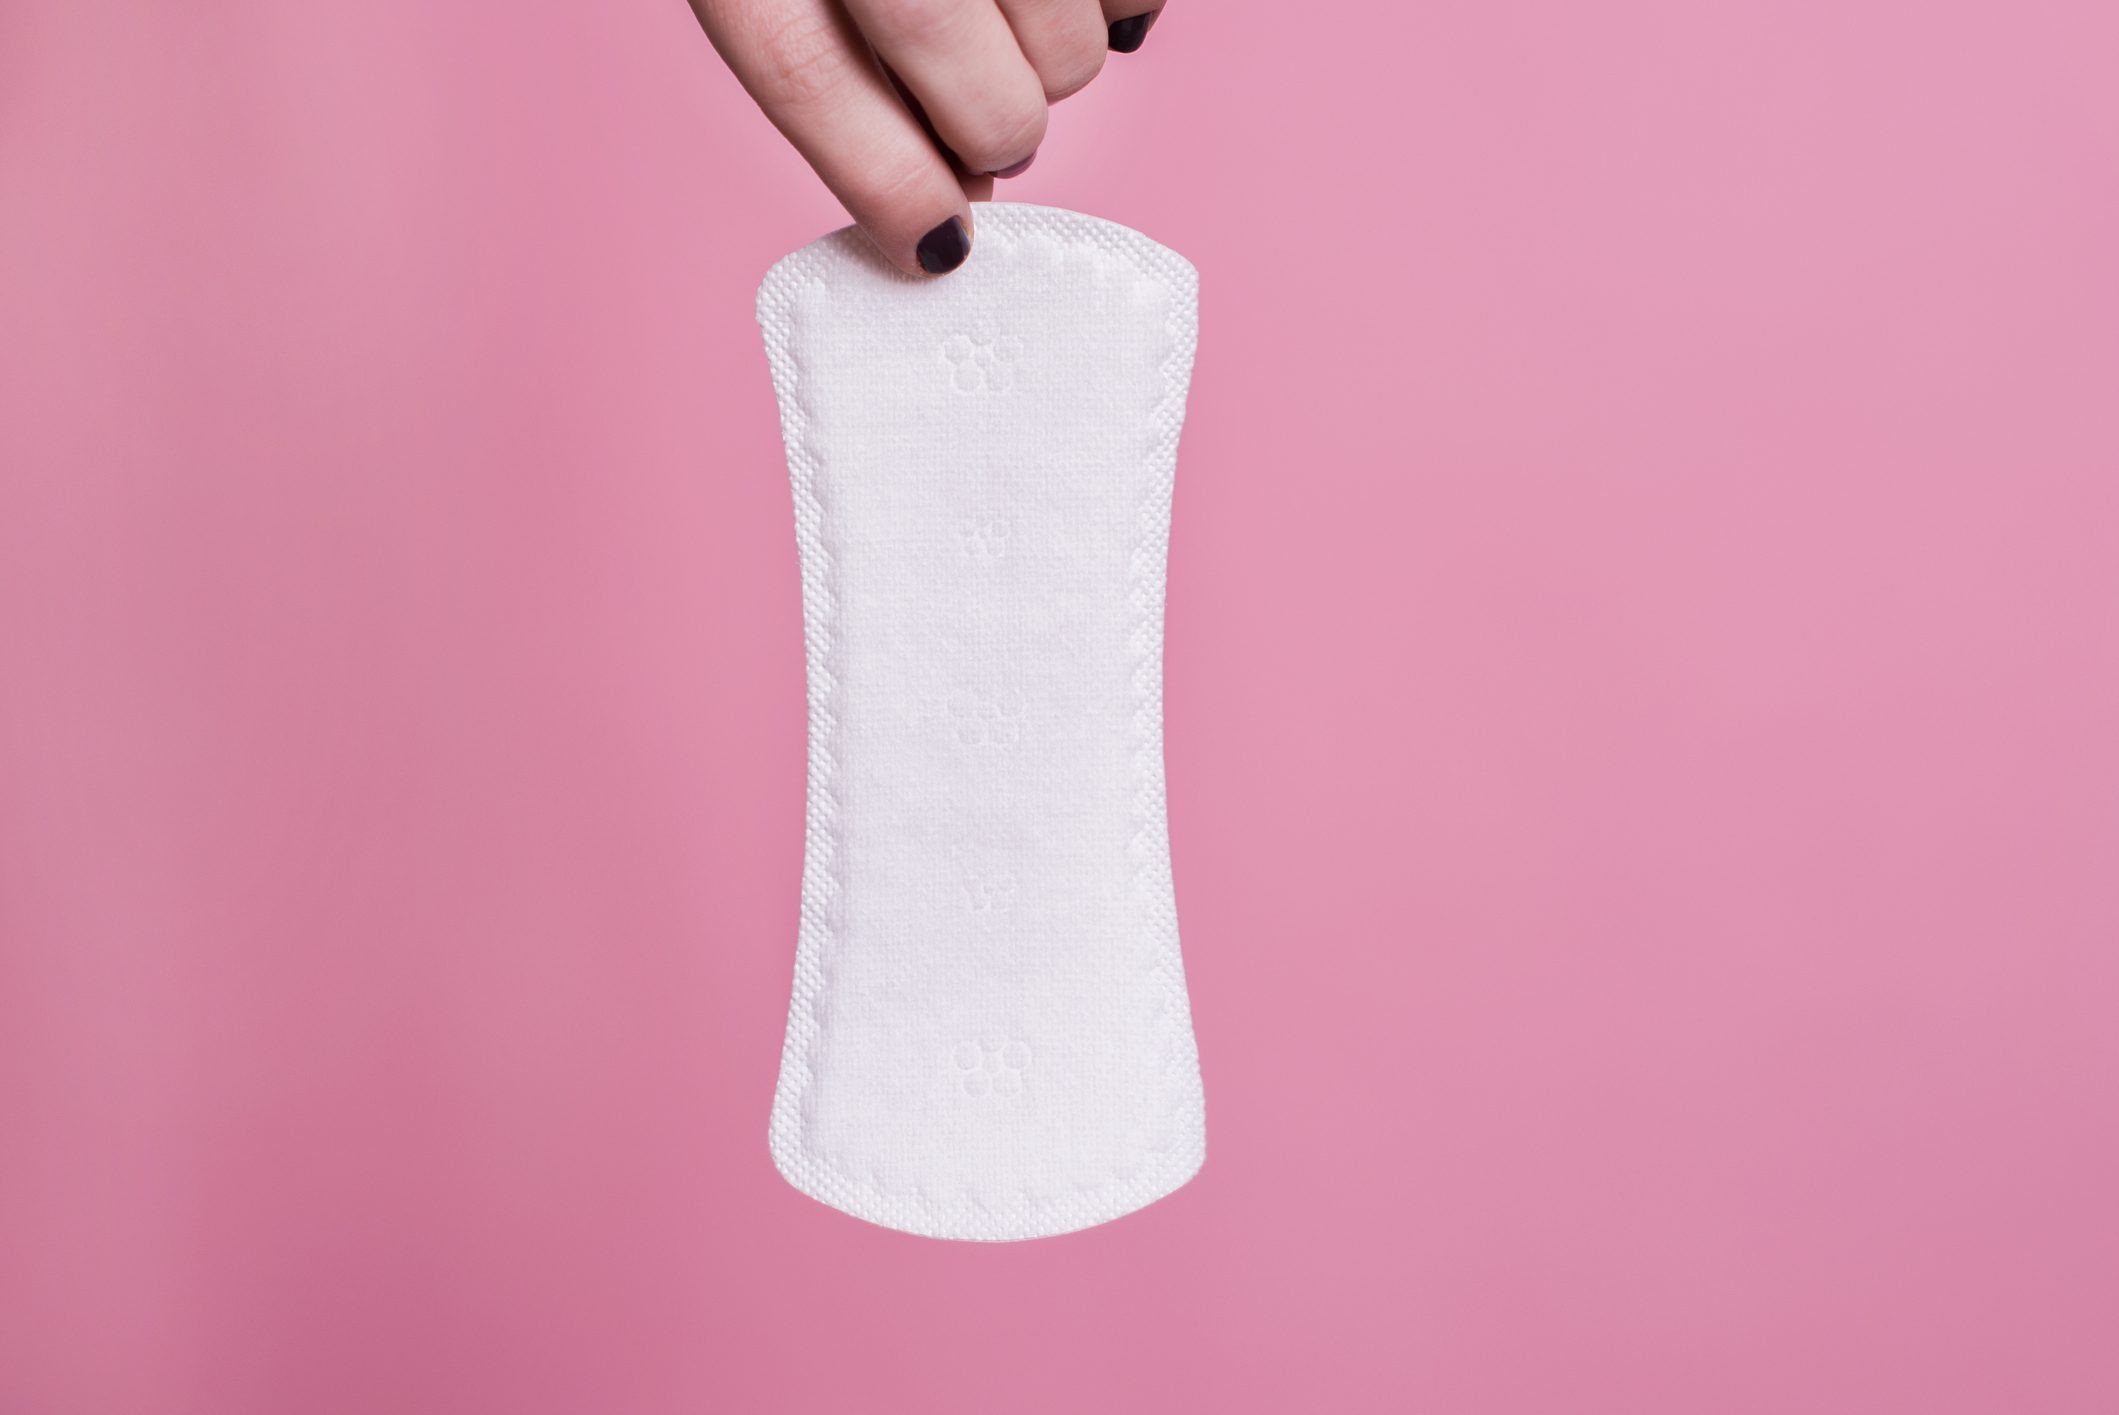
(960, 95)
(1064, 40)
(812, 73)
(1129, 24)
(962, 63)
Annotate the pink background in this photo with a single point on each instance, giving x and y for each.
(1643, 678)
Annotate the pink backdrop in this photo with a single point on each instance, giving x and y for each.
(1643, 679)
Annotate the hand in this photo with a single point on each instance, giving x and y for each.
(908, 109)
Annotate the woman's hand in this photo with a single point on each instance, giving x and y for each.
(908, 109)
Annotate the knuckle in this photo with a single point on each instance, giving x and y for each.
(806, 63)
(1074, 71)
(896, 191)
(1008, 136)
(906, 19)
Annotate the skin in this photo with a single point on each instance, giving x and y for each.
(907, 108)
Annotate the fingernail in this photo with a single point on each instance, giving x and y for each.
(943, 249)
(1015, 169)
(1126, 35)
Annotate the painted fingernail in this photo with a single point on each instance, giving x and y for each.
(1126, 35)
(1015, 169)
(943, 249)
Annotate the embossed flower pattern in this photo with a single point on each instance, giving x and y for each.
(991, 1066)
(986, 719)
(982, 359)
(985, 540)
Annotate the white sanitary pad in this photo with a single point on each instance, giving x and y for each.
(990, 1036)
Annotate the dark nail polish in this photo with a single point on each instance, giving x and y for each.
(1126, 35)
(943, 249)
(1015, 169)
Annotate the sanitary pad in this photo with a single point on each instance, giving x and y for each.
(990, 1036)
